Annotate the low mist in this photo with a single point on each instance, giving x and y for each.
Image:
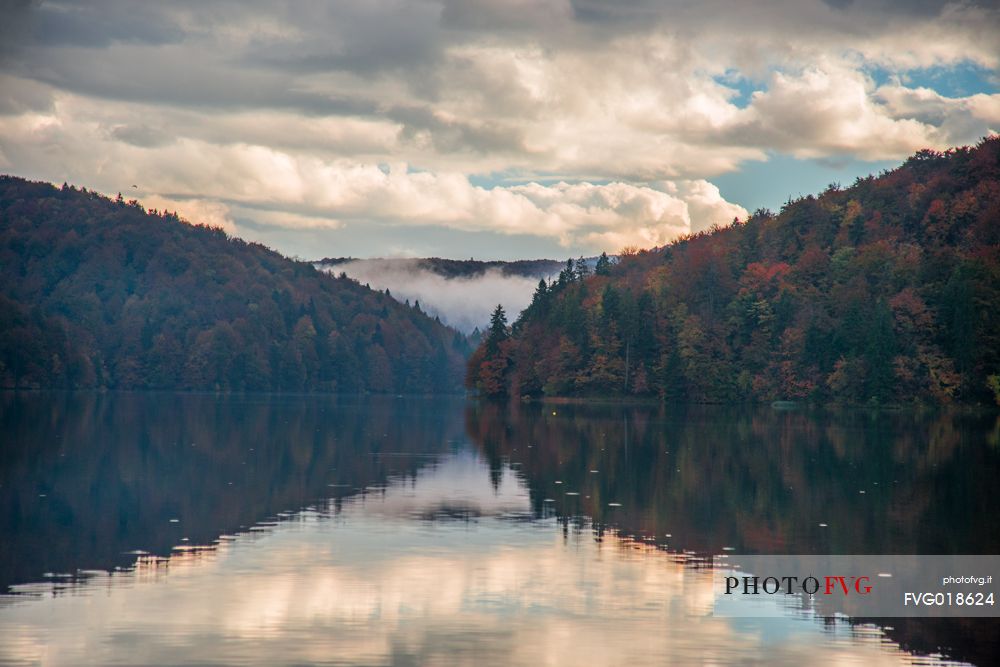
(462, 302)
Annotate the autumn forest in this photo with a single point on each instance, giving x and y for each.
(884, 292)
(887, 291)
(100, 293)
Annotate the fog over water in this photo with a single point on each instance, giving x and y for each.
(461, 302)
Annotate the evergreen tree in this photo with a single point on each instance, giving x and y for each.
(498, 330)
(888, 290)
(879, 353)
(567, 275)
(610, 307)
(603, 267)
(539, 300)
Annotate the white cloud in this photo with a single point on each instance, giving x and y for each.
(312, 116)
(197, 211)
(217, 183)
(828, 110)
(962, 32)
(365, 580)
(953, 117)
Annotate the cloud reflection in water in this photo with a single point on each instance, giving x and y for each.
(439, 568)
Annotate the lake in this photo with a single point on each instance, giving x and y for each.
(180, 529)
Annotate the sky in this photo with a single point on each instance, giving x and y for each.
(493, 129)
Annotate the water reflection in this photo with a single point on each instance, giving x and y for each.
(436, 543)
(374, 582)
(85, 479)
(709, 479)
(758, 480)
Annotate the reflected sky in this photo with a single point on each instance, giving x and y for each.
(432, 549)
(401, 577)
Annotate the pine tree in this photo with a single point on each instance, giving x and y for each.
(603, 267)
(879, 353)
(498, 330)
(540, 299)
(567, 275)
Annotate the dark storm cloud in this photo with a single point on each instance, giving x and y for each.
(14, 18)
(623, 13)
(169, 53)
(100, 24)
(367, 58)
(29, 28)
(181, 78)
(905, 8)
(365, 38)
(178, 53)
(142, 136)
(492, 16)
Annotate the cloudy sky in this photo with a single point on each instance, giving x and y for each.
(484, 128)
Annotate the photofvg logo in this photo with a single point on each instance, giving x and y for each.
(789, 585)
(869, 586)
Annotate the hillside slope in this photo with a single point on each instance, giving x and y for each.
(101, 293)
(462, 293)
(886, 291)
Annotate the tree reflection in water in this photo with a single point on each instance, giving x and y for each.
(705, 479)
(423, 498)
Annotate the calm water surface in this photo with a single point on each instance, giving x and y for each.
(185, 529)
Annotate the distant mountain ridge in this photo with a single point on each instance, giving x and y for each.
(887, 291)
(462, 268)
(101, 293)
(461, 292)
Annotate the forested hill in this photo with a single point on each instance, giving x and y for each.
(887, 291)
(97, 292)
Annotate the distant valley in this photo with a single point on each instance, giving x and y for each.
(462, 293)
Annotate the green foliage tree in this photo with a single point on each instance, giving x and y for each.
(603, 266)
(885, 291)
(97, 292)
(498, 332)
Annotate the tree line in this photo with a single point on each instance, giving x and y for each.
(101, 293)
(886, 291)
